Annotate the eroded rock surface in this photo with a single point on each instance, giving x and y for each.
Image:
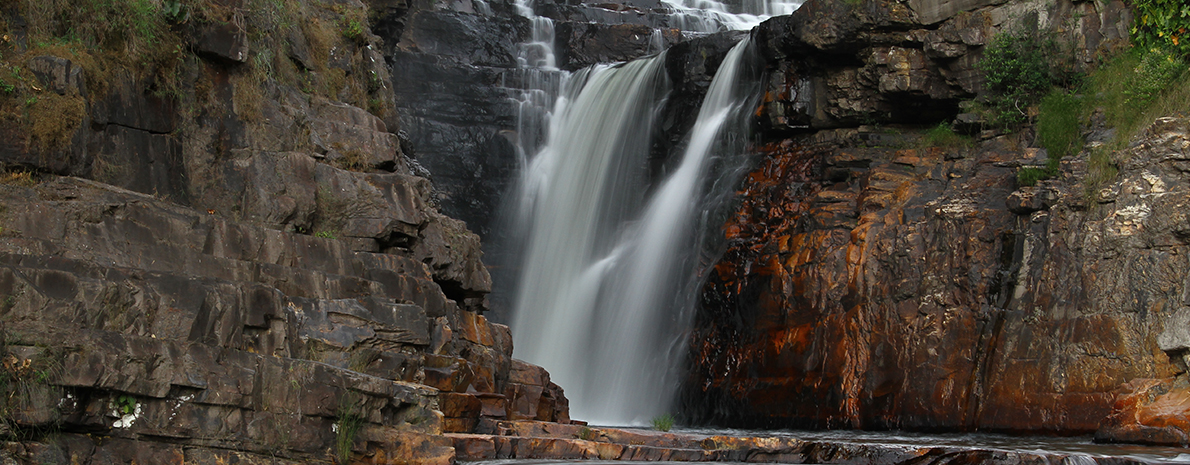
(917, 288)
(245, 272)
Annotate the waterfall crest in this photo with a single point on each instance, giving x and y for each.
(601, 302)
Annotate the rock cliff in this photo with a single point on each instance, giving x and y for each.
(873, 281)
(222, 254)
(220, 243)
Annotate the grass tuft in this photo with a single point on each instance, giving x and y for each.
(943, 136)
(349, 424)
(663, 422)
(19, 178)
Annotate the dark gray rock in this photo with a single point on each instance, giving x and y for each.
(60, 75)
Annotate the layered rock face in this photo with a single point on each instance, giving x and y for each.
(245, 272)
(470, 88)
(872, 282)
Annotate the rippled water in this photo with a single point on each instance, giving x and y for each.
(1081, 449)
(986, 441)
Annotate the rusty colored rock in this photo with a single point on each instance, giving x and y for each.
(891, 288)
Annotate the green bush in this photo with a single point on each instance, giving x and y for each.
(1158, 68)
(1162, 23)
(1018, 69)
(1030, 176)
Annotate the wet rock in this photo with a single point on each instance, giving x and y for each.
(465, 38)
(585, 44)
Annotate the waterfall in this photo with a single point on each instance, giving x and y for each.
(713, 16)
(600, 301)
(608, 262)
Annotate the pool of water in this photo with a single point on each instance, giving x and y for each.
(1082, 445)
(1080, 449)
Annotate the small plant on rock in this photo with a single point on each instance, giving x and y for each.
(20, 178)
(943, 136)
(125, 404)
(663, 422)
(346, 428)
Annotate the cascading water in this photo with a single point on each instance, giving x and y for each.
(604, 289)
(603, 265)
(713, 16)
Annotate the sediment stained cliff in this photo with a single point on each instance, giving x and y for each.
(872, 281)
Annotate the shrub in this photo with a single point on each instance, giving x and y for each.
(1162, 23)
(1030, 176)
(1017, 69)
(1158, 67)
(346, 428)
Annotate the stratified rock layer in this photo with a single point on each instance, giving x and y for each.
(242, 272)
(872, 281)
(878, 287)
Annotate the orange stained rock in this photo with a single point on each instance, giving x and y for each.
(1169, 410)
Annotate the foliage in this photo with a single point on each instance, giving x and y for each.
(1031, 175)
(326, 235)
(587, 434)
(353, 29)
(175, 11)
(1157, 68)
(1131, 90)
(1059, 131)
(138, 27)
(125, 404)
(663, 422)
(1162, 24)
(1019, 68)
(25, 384)
(1058, 123)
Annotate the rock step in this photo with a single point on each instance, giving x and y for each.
(525, 440)
(185, 391)
(110, 221)
(68, 293)
(125, 229)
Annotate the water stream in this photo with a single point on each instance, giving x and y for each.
(606, 271)
(1077, 450)
(608, 257)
